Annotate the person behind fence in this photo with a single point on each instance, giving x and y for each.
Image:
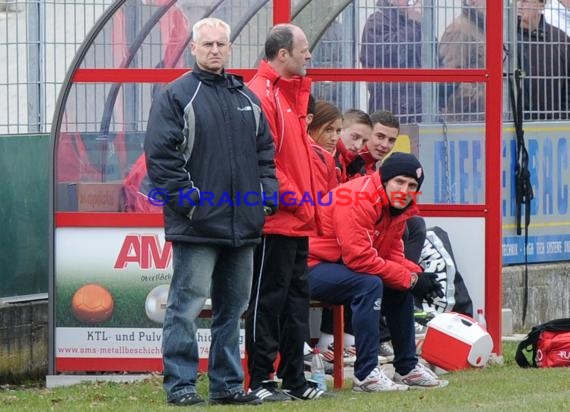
(392, 38)
(277, 319)
(462, 46)
(189, 153)
(544, 57)
(359, 261)
(557, 13)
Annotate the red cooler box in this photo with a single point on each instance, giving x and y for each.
(454, 341)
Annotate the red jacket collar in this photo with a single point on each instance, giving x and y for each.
(296, 90)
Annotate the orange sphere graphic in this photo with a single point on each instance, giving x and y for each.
(92, 303)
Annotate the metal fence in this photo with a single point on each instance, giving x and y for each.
(38, 40)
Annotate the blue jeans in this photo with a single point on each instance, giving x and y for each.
(368, 298)
(225, 274)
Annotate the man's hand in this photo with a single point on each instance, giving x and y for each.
(427, 287)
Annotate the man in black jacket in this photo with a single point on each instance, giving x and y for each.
(210, 157)
(544, 56)
(392, 38)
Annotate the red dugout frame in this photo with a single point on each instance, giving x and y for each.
(491, 75)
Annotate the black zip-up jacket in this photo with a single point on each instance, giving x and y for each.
(210, 154)
(544, 56)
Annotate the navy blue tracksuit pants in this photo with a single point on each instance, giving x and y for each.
(367, 297)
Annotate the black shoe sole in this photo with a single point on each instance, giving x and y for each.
(233, 402)
(195, 402)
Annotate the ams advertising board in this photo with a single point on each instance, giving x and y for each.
(111, 290)
(457, 164)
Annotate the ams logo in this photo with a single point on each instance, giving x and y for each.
(144, 251)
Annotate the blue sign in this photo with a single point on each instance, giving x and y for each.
(457, 158)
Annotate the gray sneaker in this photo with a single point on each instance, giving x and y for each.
(420, 330)
(385, 352)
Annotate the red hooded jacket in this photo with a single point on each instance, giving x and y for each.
(284, 103)
(359, 230)
(326, 177)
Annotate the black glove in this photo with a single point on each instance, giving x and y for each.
(269, 210)
(427, 287)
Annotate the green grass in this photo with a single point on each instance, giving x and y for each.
(495, 388)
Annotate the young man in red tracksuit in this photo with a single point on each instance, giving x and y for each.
(359, 261)
(381, 141)
(277, 319)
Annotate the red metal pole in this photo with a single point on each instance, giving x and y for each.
(281, 11)
(493, 142)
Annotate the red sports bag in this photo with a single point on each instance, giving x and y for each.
(549, 344)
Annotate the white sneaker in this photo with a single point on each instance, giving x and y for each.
(420, 377)
(376, 381)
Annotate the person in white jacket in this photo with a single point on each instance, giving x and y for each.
(557, 13)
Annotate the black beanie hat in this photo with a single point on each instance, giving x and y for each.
(402, 164)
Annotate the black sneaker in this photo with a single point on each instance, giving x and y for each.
(268, 392)
(238, 398)
(187, 399)
(307, 393)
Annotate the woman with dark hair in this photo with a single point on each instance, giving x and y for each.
(326, 125)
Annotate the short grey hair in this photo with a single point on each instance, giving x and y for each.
(210, 22)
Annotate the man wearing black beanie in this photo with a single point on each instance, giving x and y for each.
(359, 262)
(386, 129)
(404, 164)
(392, 171)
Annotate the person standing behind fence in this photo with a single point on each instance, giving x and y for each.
(462, 46)
(206, 133)
(392, 38)
(544, 56)
(557, 13)
(278, 313)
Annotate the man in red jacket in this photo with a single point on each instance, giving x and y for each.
(359, 262)
(385, 131)
(277, 319)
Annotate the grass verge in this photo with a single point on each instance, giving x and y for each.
(495, 388)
